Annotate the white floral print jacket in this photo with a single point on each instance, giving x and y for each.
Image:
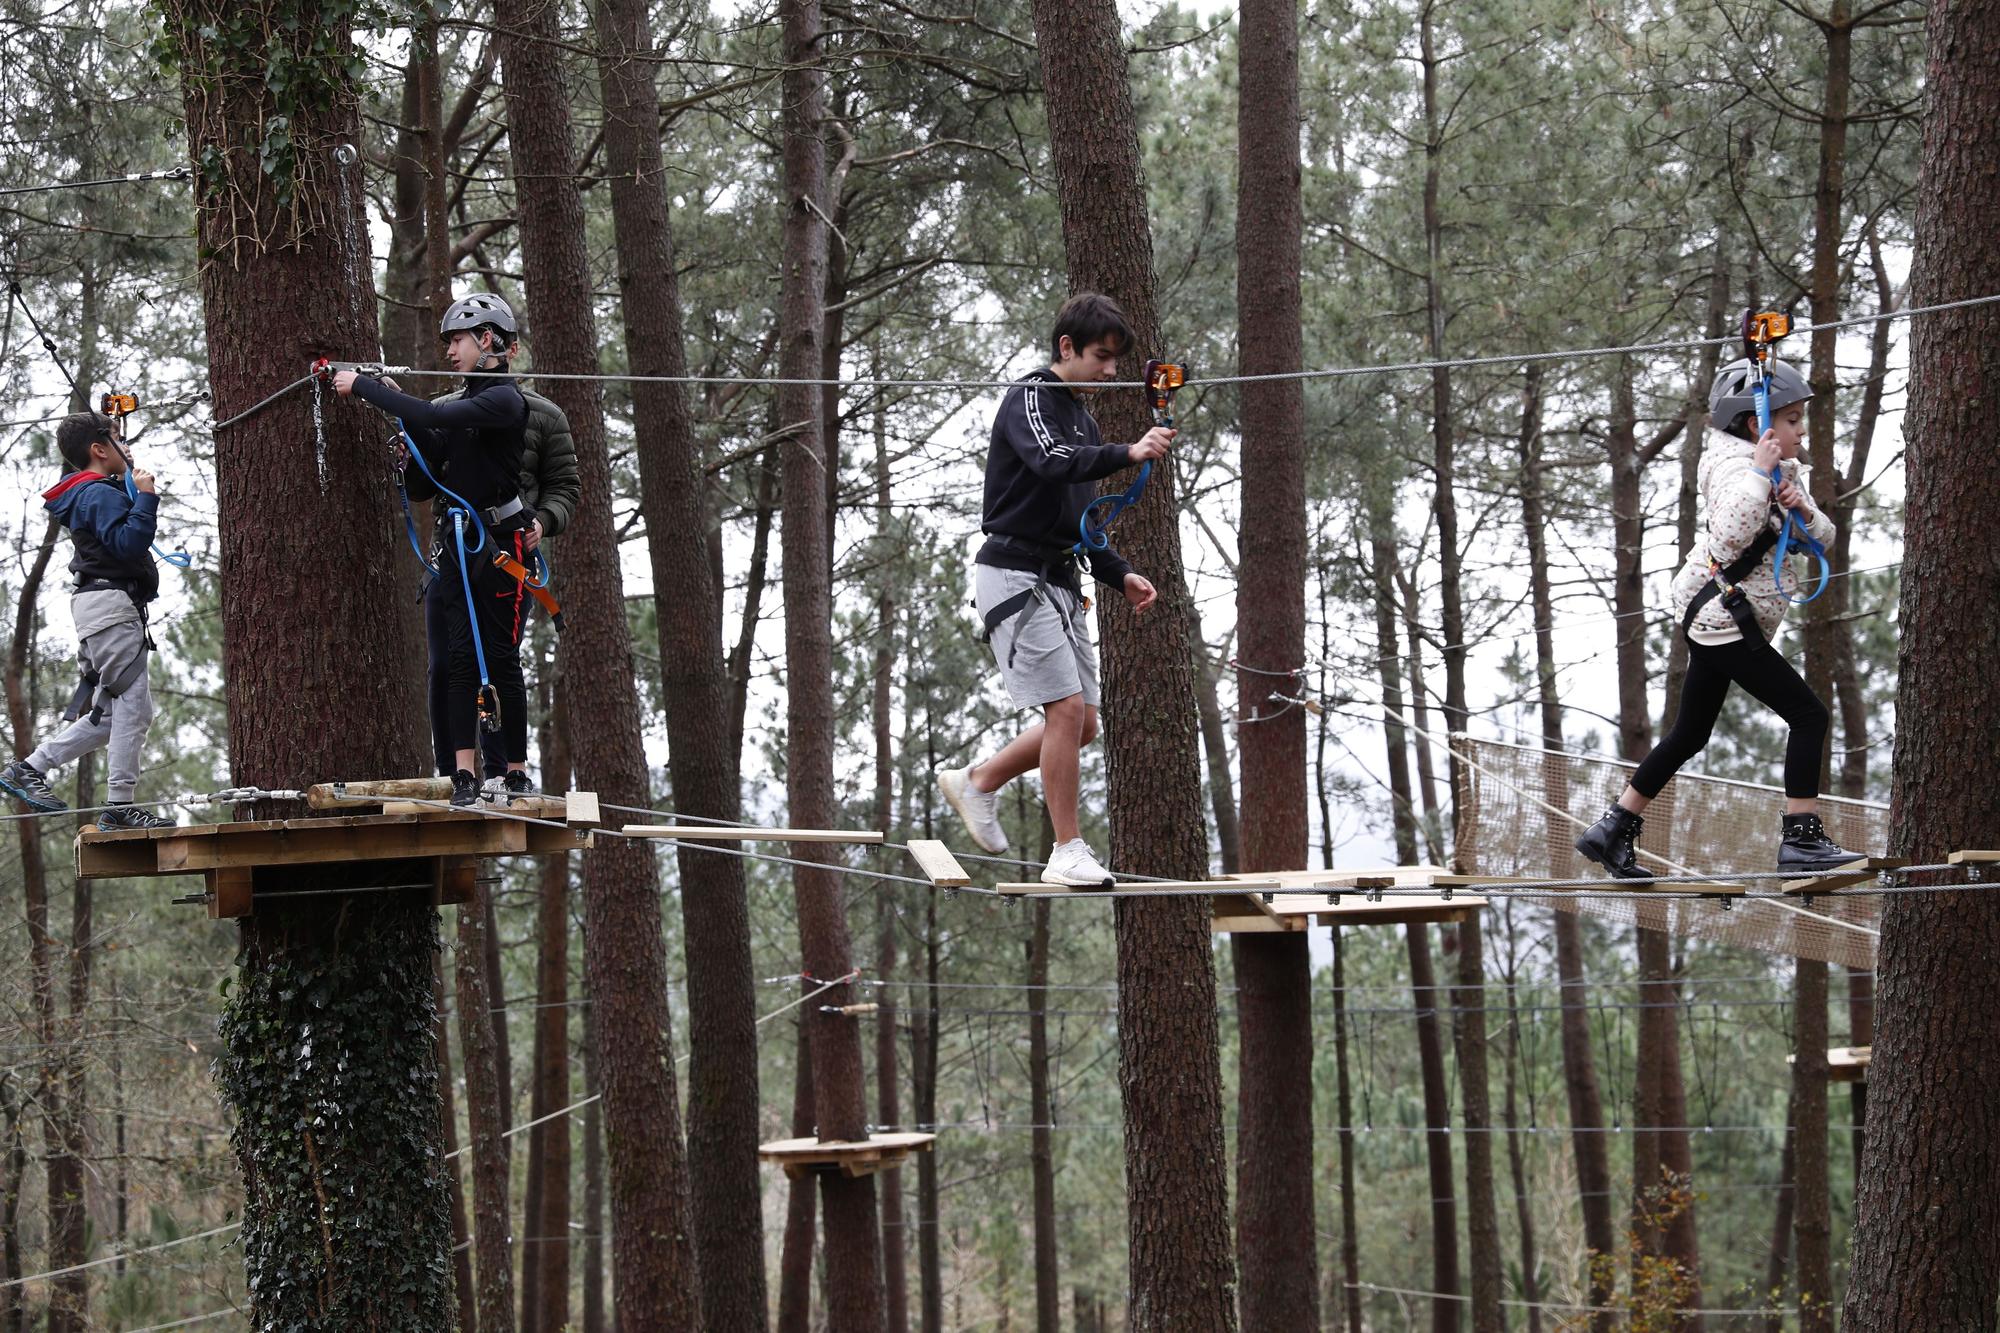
(1736, 504)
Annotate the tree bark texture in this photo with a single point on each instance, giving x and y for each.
(461, 1232)
(795, 1257)
(703, 763)
(923, 1091)
(840, 1102)
(1926, 1250)
(625, 972)
(595, 1220)
(1424, 994)
(1350, 1230)
(1277, 1254)
(1181, 1272)
(1777, 1261)
(545, 1264)
(1215, 749)
(1813, 1219)
(1482, 1212)
(491, 1213)
(1041, 1147)
(345, 1219)
(1388, 671)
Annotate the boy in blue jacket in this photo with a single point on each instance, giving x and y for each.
(1044, 457)
(112, 537)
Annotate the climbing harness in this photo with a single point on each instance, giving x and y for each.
(1161, 379)
(119, 406)
(1761, 331)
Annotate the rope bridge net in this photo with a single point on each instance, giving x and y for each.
(1522, 808)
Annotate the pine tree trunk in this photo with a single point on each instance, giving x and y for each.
(1277, 1254)
(14, 1155)
(595, 1221)
(1813, 1221)
(840, 1107)
(358, 1121)
(545, 1263)
(1778, 1260)
(1425, 995)
(1586, 1107)
(1686, 508)
(1181, 1272)
(1524, 1213)
(1215, 749)
(1350, 1229)
(1926, 1250)
(1482, 1213)
(1860, 1032)
(795, 1258)
(923, 1087)
(466, 1294)
(722, 1069)
(1041, 1148)
(476, 1041)
(1382, 559)
(625, 973)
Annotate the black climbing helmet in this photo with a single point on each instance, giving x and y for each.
(478, 311)
(1730, 396)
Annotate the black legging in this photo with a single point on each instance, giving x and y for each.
(1768, 677)
(454, 670)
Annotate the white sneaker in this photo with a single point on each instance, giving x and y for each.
(1072, 866)
(979, 809)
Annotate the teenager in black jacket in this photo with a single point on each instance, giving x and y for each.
(1044, 457)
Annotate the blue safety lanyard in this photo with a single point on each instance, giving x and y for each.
(178, 558)
(1792, 532)
(1104, 511)
(410, 523)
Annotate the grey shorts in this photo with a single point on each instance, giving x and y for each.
(1044, 649)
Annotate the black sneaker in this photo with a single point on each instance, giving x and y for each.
(1613, 841)
(23, 781)
(1807, 848)
(123, 815)
(516, 783)
(464, 789)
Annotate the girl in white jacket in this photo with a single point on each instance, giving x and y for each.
(1729, 604)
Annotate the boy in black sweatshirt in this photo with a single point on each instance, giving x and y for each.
(472, 446)
(112, 533)
(1045, 454)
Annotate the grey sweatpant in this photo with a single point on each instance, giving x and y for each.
(113, 653)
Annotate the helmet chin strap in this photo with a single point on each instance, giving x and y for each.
(488, 358)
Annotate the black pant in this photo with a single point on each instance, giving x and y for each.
(502, 606)
(1768, 677)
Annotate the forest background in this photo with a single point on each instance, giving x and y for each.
(1605, 174)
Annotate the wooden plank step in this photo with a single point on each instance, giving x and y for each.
(800, 1157)
(1972, 858)
(1858, 871)
(1221, 887)
(580, 809)
(745, 833)
(1844, 1064)
(938, 864)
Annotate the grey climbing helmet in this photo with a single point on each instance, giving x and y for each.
(471, 313)
(1730, 396)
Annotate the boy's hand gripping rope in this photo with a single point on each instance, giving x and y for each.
(1161, 378)
(1761, 331)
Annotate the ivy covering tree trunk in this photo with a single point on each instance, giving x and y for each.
(328, 1057)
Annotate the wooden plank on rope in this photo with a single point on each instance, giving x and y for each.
(1221, 887)
(1972, 858)
(746, 833)
(346, 795)
(938, 864)
(1858, 871)
(1844, 1064)
(860, 1157)
(580, 809)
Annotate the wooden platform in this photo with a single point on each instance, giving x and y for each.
(1844, 1064)
(880, 1152)
(1858, 871)
(1340, 897)
(238, 860)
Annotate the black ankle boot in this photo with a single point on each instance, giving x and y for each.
(1806, 846)
(464, 789)
(1612, 842)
